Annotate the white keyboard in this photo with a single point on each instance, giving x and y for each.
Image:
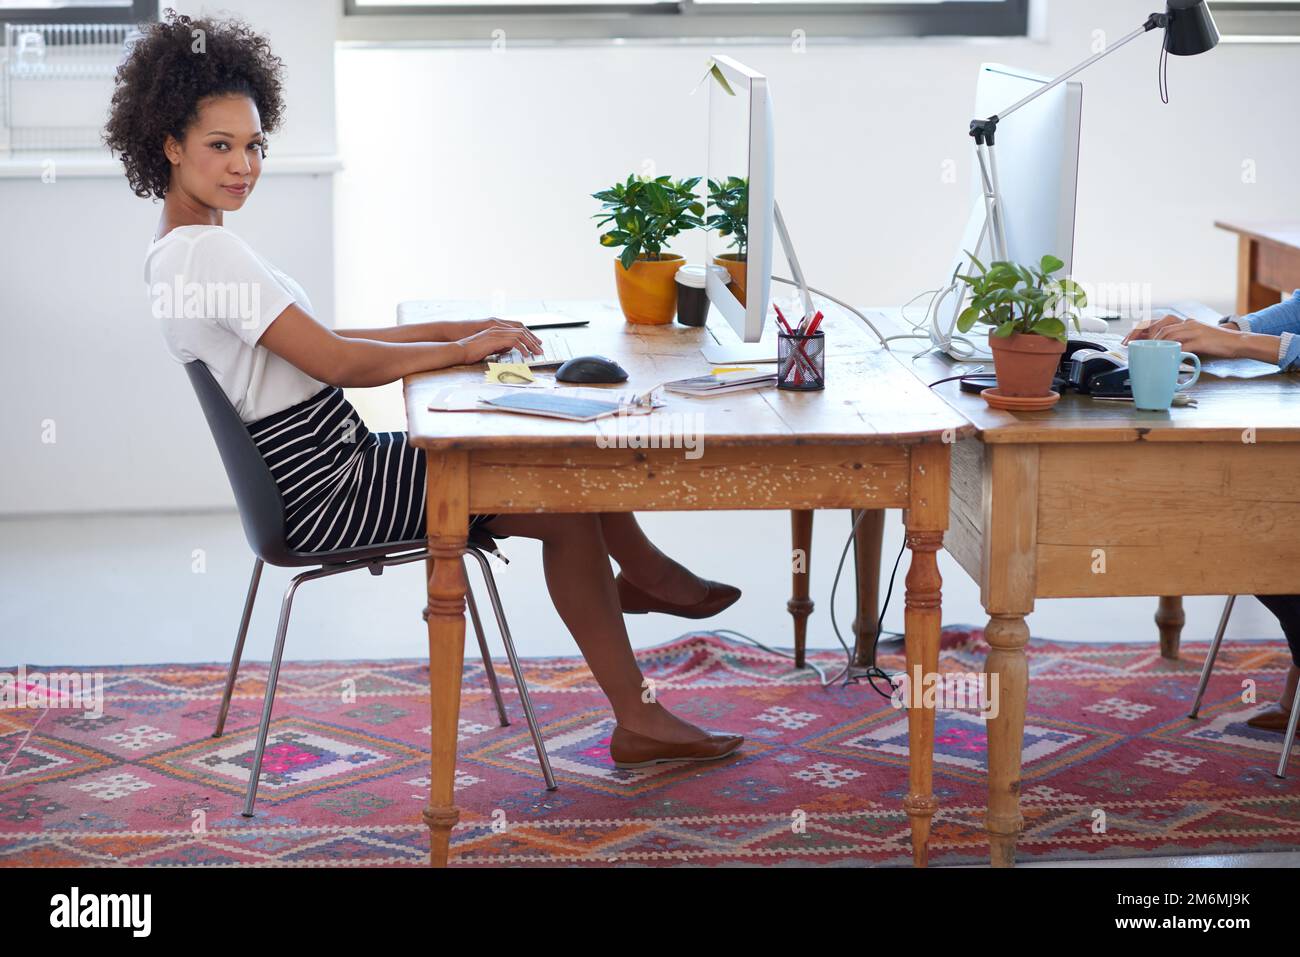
(1114, 344)
(555, 352)
(1109, 341)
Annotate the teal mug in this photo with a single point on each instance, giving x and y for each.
(1153, 372)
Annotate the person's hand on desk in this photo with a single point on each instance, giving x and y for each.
(496, 339)
(453, 330)
(1209, 342)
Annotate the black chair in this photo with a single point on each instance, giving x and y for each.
(261, 511)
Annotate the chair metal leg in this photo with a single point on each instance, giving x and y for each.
(1290, 734)
(286, 606)
(239, 647)
(487, 658)
(524, 699)
(274, 676)
(1208, 667)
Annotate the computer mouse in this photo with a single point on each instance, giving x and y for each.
(590, 369)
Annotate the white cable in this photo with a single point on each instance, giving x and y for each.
(839, 302)
(916, 332)
(903, 309)
(724, 633)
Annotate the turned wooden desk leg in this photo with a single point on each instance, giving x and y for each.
(1170, 620)
(448, 525)
(1007, 635)
(866, 562)
(925, 520)
(799, 605)
(1011, 528)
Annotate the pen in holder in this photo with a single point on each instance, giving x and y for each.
(801, 361)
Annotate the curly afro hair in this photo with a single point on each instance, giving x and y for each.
(164, 76)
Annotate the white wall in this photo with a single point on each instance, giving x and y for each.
(469, 171)
(81, 349)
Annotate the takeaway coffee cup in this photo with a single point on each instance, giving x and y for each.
(692, 296)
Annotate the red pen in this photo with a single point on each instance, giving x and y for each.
(789, 332)
(812, 328)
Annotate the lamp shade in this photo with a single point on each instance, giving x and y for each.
(1191, 29)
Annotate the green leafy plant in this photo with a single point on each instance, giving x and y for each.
(646, 213)
(1014, 298)
(731, 198)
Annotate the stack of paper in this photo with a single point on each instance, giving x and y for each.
(722, 381)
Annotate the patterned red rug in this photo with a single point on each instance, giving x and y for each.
(820, 779)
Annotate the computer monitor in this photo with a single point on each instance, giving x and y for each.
(740, 163)
(1038, 174)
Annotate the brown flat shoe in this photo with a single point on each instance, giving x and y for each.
(632, 750)
(637, 602)
(1274, 719)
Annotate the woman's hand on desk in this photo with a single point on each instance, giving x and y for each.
(1204, 340)
(497, 339)
(454, 330)
(1151, 329)
(1209, 342)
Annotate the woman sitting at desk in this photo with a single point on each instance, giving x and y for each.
(1270, 335)
(190, 125)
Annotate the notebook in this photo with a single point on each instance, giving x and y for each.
(720, 383)
(546, 402)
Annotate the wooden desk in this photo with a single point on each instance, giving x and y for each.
(1268, 263)
(875, 438)
(1096, 499)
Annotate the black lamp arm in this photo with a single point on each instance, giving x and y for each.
(984, 131)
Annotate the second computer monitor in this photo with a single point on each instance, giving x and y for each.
(740, 181)
(1038, 173)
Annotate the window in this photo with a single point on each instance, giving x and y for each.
(539, 21)
(78, 11)
(1258, 20)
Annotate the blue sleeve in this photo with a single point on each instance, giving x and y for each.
(1277, 319)
(1289, 360)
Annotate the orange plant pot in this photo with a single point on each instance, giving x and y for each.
(1025, 363)
(738, 269)
(647, 293)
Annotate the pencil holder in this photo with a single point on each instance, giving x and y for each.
(801, 362)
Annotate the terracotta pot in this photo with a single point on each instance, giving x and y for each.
(647, 293)
(1025, 363)
(738, 269)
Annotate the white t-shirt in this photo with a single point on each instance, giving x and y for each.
(215, 297)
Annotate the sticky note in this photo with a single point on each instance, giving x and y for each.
(509, 373)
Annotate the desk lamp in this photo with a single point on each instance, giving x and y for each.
(1189, 30)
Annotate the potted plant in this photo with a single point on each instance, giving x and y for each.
(1027, 310)
(731, 198)
(646, 213)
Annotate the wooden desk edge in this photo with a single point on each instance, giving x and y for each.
(1253, 232)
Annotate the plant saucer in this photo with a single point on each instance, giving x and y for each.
(1020, 403)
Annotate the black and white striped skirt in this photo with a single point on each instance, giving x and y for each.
(343, 486)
